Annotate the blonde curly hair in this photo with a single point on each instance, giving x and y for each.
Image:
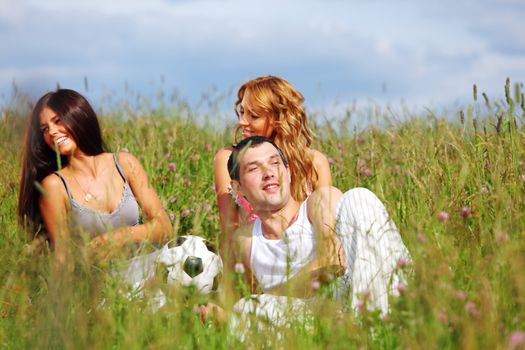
(291, 131)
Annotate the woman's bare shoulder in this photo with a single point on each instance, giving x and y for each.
(124, 157)
(53, 189)
(127, 161)
(322, 167)
(318, 156)
(52, 182)
(223, 154)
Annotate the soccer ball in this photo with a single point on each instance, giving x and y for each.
(191, 261)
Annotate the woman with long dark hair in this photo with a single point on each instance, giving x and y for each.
(71, 188)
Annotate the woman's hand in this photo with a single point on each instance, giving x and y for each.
(100, 249)
(108, 245)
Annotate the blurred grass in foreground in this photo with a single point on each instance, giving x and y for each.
(454, 185)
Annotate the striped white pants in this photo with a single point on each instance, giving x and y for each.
(375, 254)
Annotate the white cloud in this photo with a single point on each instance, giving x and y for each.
(329, 49)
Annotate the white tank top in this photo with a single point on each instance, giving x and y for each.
(276, 261)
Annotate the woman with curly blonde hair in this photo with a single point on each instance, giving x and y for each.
(269, 106)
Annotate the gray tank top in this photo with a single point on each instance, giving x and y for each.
(91, 222)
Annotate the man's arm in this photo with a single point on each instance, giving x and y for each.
(306, 282)
(329, 262)
(243, 245)
(322, 212)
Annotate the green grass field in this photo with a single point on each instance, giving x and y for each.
(454, 185)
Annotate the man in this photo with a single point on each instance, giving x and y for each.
(293, 244)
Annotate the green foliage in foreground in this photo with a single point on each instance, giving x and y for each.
(455, 186)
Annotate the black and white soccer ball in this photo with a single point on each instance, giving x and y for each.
(191, 261)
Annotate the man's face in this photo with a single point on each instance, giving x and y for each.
(264, 179)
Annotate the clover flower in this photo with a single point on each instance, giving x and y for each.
(465, 212)
(443, 216)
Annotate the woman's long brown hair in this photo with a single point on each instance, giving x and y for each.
(39, 160)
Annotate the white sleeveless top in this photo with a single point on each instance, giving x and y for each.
(276, 261)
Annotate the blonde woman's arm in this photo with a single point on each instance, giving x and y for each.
(228, 211)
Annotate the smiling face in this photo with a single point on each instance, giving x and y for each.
(253, 120)
(264, 179)
(54, 132)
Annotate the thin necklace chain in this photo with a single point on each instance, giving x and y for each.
(88, 196)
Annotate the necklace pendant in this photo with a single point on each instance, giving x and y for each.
(88, 197)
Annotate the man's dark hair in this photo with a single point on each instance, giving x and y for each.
(249, 142)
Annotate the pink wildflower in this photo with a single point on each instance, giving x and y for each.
(172, 216)
(125, 150)
(316, 285)
(443, 216)
(516, 340)
(243, 202)
(239, 268)
(465, 212)
(442, 317)
(207, 147)
(402, 287)
(366, 171)
(421, 237)
(402, 262)
(172, 167)
(472, 309)
(185, 213)
(361, 306)
(459, 294)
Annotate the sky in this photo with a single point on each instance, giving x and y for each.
(419, 53)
